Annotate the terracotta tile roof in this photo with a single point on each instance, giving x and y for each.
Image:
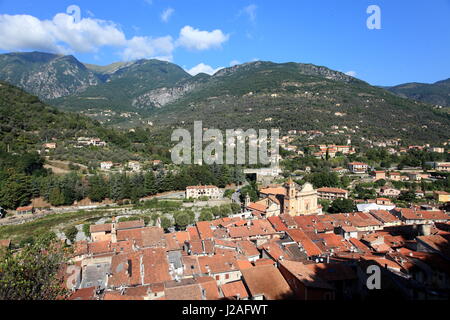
(274, 199)
(144, 237)
(358, 164)
(201, 187)
(156, 266)
(234, 289)
(172, 242)
(277, 223)
(266, 281)
(24, 209)
(204, 230)
(99, 247)
(300, 237)
(209, 246)
(116, 296)
(226, 244)
(361, 219)
(273, 250)
(329, 242)
(100, 228)
(264, 262)
(228, 222)
(122, 247)
(394, 241)
(226, 251)
(305, 275)
(383, 262)
(411, 214)
(191, 265)
(244, 264)
(126, 270)
(84, 294)
(147, 266)
(193, 233)
(288, 220)
(274, 191)
(260, 207)
(359, 245)
(332, 190)
(210, 286)
(220, 233)
(187, 292)
(182, 236)
(217, 264)
(440, 243)
(130, 224)
(434, 260)
(141, 291)
(333, 271)
(259, 228)
(248, 248)
(313, 223)
(196, 247)
(384, 216)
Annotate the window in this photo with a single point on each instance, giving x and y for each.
(217, 278)
(227, 276)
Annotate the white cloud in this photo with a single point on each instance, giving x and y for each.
(203, 68)
(62, 34)
(145, 47)
(351, 73)
(166, 14)
(234, 63)
(250, 11)
(195, 39)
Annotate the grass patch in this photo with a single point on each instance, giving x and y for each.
(17, 233)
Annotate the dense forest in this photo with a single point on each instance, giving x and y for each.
(24, 177)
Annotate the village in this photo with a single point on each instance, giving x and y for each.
(282, 246)
(306, 232)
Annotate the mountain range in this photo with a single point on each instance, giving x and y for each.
(252, 95)
(436, 93)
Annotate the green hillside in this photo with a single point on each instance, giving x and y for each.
(303, 97)
(437, 93)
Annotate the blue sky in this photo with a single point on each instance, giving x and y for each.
(203, 35)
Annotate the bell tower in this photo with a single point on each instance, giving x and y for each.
(291, 191)
(290, 199)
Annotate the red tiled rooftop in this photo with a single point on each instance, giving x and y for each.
(204, 230)
(130, 224)
(101, 228)
(274, 191)
(266, 281)
(244, 264)
(277, 223)
(300, 237)
(332, 190)
(234, 290)
(83, 294)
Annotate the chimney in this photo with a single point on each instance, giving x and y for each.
(203, 294)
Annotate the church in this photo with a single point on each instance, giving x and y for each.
(289, 199)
